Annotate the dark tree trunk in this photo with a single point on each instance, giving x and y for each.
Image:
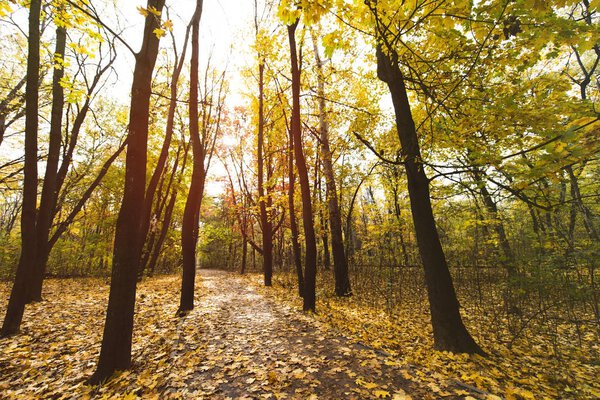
(449, 331)
(163, 233)
(296, 251)
(310, 258)
(400, 224)
(191, 213)
(160, 204)
(244, 254)
(265, 221)
(325, 242)
(115, 353)
(164, 151)
(20, 289)
(49, 189)
(340, 262)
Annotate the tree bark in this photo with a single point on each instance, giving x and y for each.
(340, 262)
(49, 189)
(310, 258)
(25, 268)
(164, 151)
(296, 250)
(265, 221)
(508, 259)
(115, 353)
(449, 331)
(191, 213)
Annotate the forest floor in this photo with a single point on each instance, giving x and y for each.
(242, 341)
(237, 343)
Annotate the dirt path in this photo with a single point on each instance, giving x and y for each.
(237, 343)
(256, 347)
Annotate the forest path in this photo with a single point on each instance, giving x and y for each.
(258, 348)
(239, 342)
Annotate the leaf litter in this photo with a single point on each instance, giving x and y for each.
(237, 343)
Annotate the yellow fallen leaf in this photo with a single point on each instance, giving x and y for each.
(401, 395)
(365, 384)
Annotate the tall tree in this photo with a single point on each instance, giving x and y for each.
(19, 292)
(49, 189)
(115, 353)
(310, 258)
(449, 331)
(340, 262)
(159, 169)
(191, 213)
(264, 201)
(296, 249)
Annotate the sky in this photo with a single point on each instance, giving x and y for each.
(225, 34)
(225, 37)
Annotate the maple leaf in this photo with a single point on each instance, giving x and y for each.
(381, 394)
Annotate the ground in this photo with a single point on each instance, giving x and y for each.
(237, 343)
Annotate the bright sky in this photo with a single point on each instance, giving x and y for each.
(225, 36)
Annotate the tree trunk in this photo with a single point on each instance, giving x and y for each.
(449, 331)
(400, 225)
(265, 221)
(340, 262)
(310, 258)
(296, 251)
(25, 268)
(161, 202)
(585, 212)
(189, 230)
(115, 353)
(163, 233)
(164, 151)
(508, 259)
(191, 213)
(49, 189)
(244, 254)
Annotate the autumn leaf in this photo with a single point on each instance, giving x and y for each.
(142, 11)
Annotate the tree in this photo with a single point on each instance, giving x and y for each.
(19, 292)
(310, 258)
(159, 169)
(189, 230)
(448, 329)
(264, 199)
(49, 188)
(115, 353)
(340, 263)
